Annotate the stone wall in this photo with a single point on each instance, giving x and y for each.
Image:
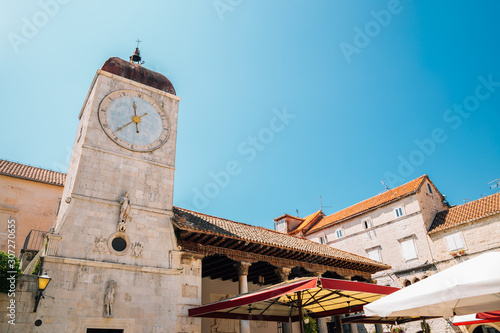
(146, 300)
(479, 236)
(31, 204)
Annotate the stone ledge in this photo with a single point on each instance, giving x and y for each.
(115, 203)
(107, 151)
(109, 265)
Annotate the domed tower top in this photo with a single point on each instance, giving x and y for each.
(134, 71)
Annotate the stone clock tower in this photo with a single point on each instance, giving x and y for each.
(113, 255)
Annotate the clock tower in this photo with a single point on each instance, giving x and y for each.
(113, 255)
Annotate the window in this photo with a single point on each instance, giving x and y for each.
(455, 241)
(339, 233)
(399, 212)
(58, 206)
(409, 251)
(322, 239)
(281, 225)
(366, 223)
(429, 187)
(374, 254)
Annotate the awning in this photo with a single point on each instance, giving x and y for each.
(469, 287)
(318, 297)
(477, 318)
(362, 319)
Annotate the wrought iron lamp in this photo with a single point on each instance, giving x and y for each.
(43, 282)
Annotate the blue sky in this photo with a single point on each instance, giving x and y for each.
(282, 101)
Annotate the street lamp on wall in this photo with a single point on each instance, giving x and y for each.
(43, 282)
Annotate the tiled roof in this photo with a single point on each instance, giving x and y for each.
(197, 222)
(307, 221)
(368, 204)
(29, 172)
(465, 213)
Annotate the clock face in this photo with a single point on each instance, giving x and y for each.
(134, 120)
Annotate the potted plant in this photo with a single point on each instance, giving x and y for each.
(397, 329)
(309, 325)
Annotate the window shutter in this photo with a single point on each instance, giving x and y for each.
(455, 241)
(459, 241)
(374, 255)
(451, 243)
(409, 251)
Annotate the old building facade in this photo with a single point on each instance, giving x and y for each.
(31, 197)
(122, 258)
(411, 228)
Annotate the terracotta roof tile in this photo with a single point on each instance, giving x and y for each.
(29, 172)
(197, 222)
(368, 204)
(465, 213)
(307, 221)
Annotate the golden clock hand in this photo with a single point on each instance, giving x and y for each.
(119, 129)
(137, 127)
(135, 109)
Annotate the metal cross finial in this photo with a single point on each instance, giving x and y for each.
(138, 41)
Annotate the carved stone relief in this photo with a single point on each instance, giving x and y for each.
(137, 249)
(100, 244)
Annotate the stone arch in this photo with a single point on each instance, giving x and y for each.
(473, 327)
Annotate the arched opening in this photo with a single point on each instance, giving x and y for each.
(406, 283)
(485, 329)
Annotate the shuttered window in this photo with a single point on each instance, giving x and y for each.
(409, 251)
(455, 241)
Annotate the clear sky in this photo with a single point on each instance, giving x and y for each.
(282, 101)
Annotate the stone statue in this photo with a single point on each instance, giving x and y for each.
(109, 298)
(124, 211)
(125, 208)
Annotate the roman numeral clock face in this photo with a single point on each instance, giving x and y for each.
(134, 120)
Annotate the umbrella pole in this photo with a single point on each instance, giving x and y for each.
(425, 325)
(301, 315)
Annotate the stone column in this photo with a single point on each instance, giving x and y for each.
(283, 273)
(242, 268)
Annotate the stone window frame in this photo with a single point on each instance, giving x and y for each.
(283, 223)
(127, 325)
(121, 235)
(323, 239)
(458, 233)
(377, 248)
(342, 233)
(411, 238)
(401, 209)
(367, 223)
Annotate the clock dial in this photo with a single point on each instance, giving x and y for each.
(134, 120)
